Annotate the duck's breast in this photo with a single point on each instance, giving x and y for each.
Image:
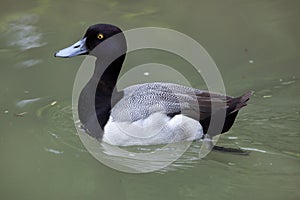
(158, 128)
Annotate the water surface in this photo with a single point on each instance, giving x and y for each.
(256, 46)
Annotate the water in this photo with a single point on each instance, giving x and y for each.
(256, 47)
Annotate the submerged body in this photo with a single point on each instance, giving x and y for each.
(144, 114)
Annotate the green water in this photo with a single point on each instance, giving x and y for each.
(256, 46)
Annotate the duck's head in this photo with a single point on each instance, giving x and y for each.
(94, 35)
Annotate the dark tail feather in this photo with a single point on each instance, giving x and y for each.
(237, 103)
(234, 105)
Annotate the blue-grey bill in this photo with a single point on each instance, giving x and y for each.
(78, 48)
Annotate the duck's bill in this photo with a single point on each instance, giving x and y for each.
(79, 48)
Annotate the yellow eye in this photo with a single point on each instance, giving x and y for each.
(100, 36)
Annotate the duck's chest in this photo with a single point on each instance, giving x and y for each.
(158, 128)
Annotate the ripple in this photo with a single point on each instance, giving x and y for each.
(25, 102)
(54, 151)
(253, 149)
(28, 63)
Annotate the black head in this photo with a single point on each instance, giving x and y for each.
(98, 33)
(94, 35)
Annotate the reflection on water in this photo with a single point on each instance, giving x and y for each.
(54, 151)
(25, 102)
(24, 34)
(28, 63)
(137, 159)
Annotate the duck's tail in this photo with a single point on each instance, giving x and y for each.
(235, 104)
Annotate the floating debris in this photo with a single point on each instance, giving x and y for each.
(53, 103)
(6, 111)
(146, 73)
(40, 111)
(21, 114)
(251, 61)
(267, 96)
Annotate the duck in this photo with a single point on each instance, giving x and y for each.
(143, 114)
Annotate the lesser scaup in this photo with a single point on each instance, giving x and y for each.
(173, 112)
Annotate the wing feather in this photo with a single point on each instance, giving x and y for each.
(140, 101)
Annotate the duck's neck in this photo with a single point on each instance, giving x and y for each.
(98, 96)
(106, 95)
(108, 75)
